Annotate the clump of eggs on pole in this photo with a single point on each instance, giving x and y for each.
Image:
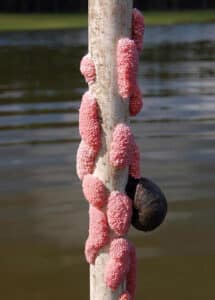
(143, 204)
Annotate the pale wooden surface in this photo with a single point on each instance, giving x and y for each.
(109, 20)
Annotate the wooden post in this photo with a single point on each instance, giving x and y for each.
(109, 20)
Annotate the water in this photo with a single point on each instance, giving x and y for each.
(43, 216)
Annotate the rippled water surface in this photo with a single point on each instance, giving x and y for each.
(43, 216)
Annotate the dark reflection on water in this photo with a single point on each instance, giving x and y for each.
(43, 217)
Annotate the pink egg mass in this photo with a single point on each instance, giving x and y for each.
(127, 66)
(89, 126)
(120, 148)
(119, 210)
(98, 228)
(85, 160)
(94, 191)
(138, 27)
(90, 251)
(115, 273)
(120, 250)
(136, 102)
(87, 68)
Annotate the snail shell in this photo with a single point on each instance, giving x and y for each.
(149, 203)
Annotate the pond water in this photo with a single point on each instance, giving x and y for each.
(43, 216)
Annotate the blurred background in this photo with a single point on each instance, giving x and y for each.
(81, 5)
(43, 215)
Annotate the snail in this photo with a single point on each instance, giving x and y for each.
(149, 203)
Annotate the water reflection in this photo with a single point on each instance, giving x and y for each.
(43, 214)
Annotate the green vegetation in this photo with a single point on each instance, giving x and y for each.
(12, 22)
(180, 17)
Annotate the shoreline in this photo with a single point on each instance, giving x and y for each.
(33, 22)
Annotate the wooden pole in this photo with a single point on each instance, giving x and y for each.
(109, 20)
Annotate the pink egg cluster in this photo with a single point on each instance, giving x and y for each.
(98, 228)
(87, 68)
(118, 264)
(120, 148)
(127, 66)
(119, 210)
(90, 251)
(121, 266)
(98, 233)
(89, 125)
(93, 188)
(138, 29)
(115, 273)
(94, 191)
(124, 151)
(136, 101)
(85, 160)
(110, 212)
(120, 249)
(128, 51)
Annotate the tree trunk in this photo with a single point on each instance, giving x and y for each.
(109, 20)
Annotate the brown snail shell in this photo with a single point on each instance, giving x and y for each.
(149, 203)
